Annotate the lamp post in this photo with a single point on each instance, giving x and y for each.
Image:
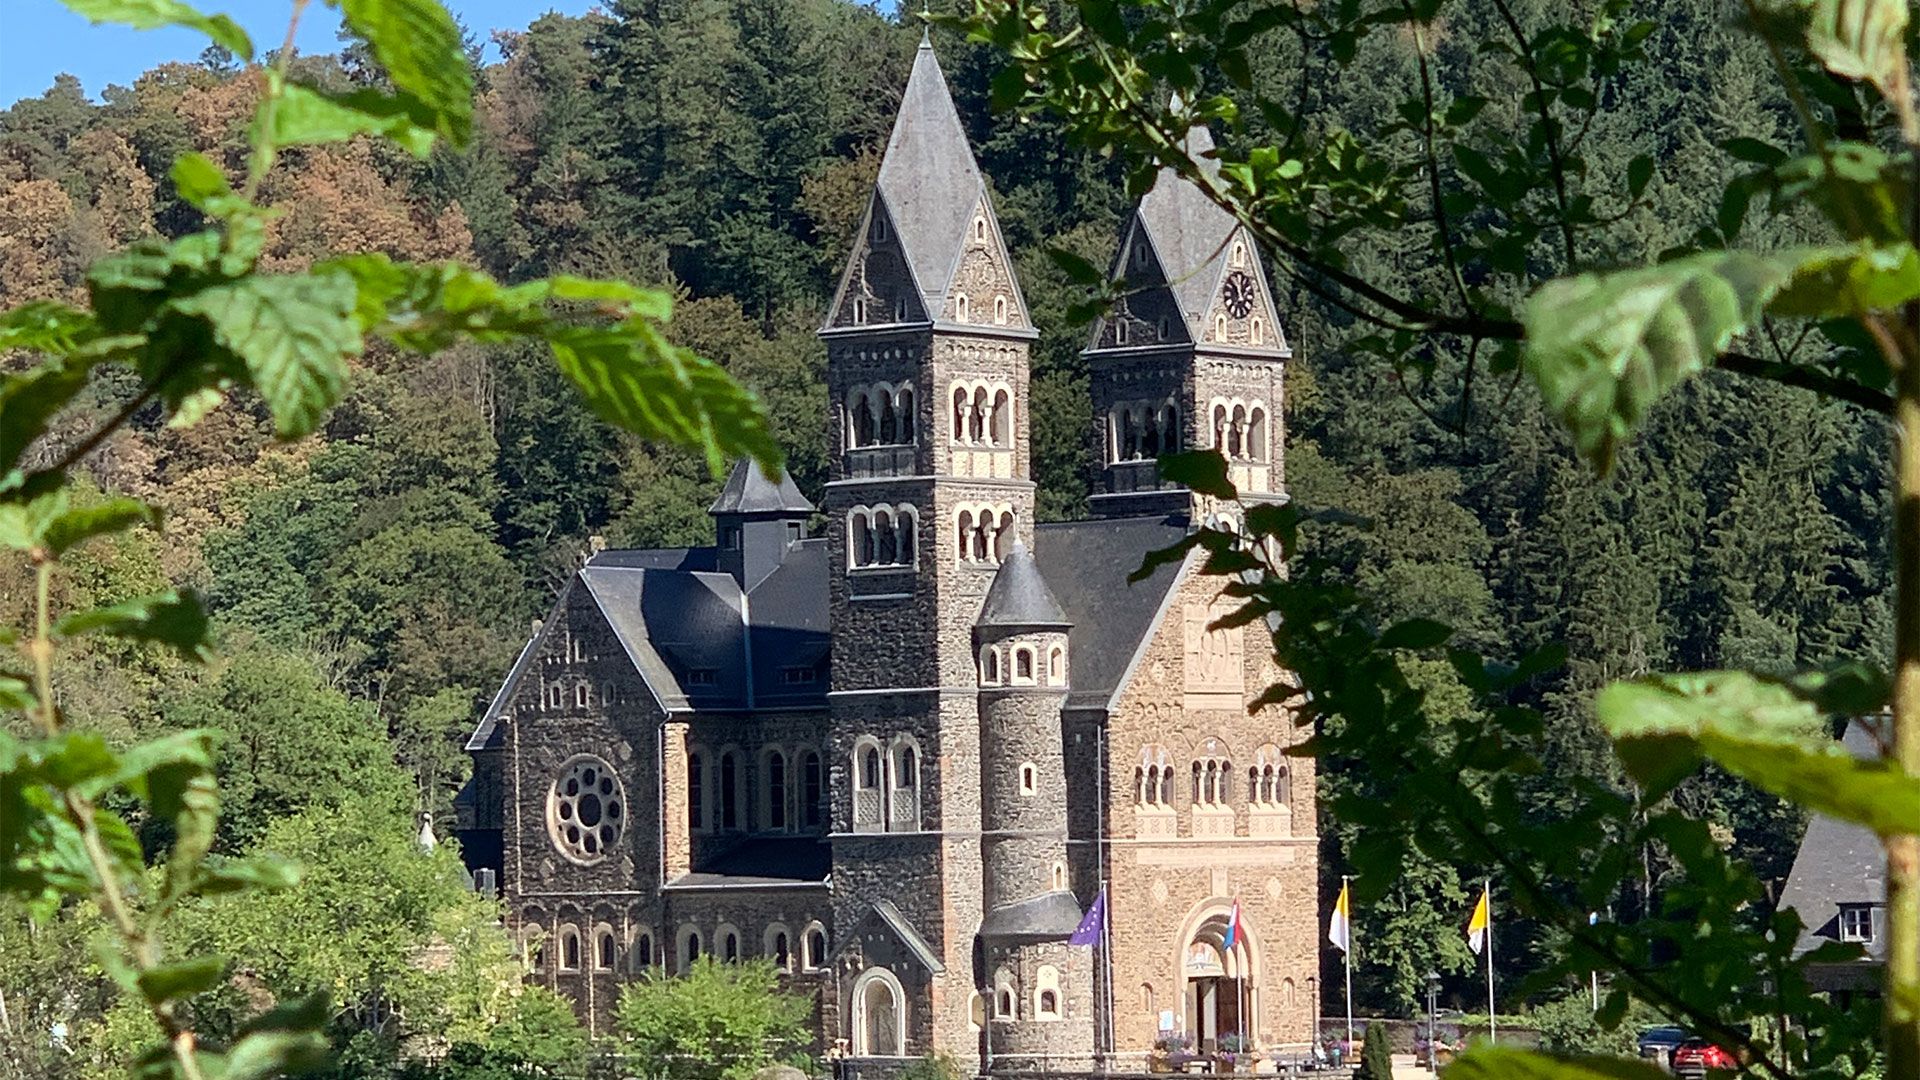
(1433, 1008)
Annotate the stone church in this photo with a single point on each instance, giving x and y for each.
(901, 758)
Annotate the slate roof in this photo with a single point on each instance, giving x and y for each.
(1050, 915)
(1087, 564)
(674, 615)
(1188, 233)
(1019, 595)
(928, 179)
(749, 490)
(1838, 863)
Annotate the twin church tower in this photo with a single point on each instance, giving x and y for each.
(902, 759)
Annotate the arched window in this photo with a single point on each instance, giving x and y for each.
(1257, 434)
(729, 944)
(909, 420)
(1120, 328)
(860, 309)
(604, 951)
(886, 543)
(1003, 1002)
(1220, 326)
(989, 666)
(689, 949)
(870, 768)
(959, 414)
(860, 548)
(980, 228)
(864, 422)
(1059, 877)
(1140, 256)
(582, 696)
(1257, 331)
(1146, 998)
(1165, 328)
(889, 422)
(1000, 310)
(1022, 664)
(812, 789)
(903, 537)
(1046, 993)
(643, 952)
(1170, 429)
(1002, 419)
(569, 949)
(960, 308)
(869, 802)
(1236, 432)
(977, 429)
(696, 792)
(815, 955)
(729, 791)
(1057, 666)
(879, 230)
(778, 947)
(878, 1031)
(532, 946)
(776, 766)
(1239, 256)
(1003, 536)
(1029, 778)
(906, 770)
(1220, 427)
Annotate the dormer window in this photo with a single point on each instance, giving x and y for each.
(1856, 923)
(1239, 256)
(1000, 310)
(1120, 331)
(1257, 331)
(1165, 328)
(1140, 256)
(980, 229)
(879, 230)
(960, 305)
(859, 309)
(730, 537)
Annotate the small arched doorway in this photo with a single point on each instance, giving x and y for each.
(1221, 997)
(878, 1014)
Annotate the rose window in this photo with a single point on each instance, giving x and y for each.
(586, 810)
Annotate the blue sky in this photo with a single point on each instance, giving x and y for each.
(41, 38)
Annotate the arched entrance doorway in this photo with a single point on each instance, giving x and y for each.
(1221, 995)
(878, 1030)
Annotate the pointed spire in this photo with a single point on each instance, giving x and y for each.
(929, 181)
(1188, 231)
(1019, 595)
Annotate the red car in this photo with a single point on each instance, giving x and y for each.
(1695, 1056)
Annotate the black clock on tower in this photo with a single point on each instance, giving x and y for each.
(1238, 294)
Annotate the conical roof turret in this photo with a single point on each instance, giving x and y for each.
(1019, 596)
(749, 490)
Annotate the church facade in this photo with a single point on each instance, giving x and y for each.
(902, 759)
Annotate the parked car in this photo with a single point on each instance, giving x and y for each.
(1657, 1044)
(1695, 1056)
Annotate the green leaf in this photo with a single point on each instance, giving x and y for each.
(1771, 732)
(304, 117)
(1416, 634)
(82, 523)
(1202, 471)
(1604, 347)
(260, 873)
(294, 334)
(202, 185)
(655, 304)
(1079, 270)
(1861, 39)
(180, 979)
(275, 1053)
(153, 14)
(175, 619)
(1754, 151)
(630, 376)
(1851, 282)
(24, 525)
(1639, 174)
(1506, 1063)
(419, 45)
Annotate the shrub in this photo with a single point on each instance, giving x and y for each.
(717, 1022)
(1376, 1054)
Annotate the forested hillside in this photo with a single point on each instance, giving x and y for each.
(372, 583)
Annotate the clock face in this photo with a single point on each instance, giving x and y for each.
(1238, 294)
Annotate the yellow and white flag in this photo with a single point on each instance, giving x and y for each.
(1340, 927)
(1477, 926)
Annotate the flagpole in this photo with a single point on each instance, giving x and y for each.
(1493, 1025)
(1344, 881)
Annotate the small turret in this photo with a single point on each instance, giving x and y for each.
(1039, 986)
(755, 519)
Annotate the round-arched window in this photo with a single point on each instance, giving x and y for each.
(586, 809)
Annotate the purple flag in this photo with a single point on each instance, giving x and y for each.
(1089, 930)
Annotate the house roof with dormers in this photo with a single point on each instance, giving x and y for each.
(1839, 864)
